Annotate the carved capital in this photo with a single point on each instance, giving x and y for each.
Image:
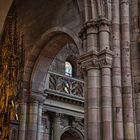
(91, 27)
(36, 97)
(124, 2)
(104, 24)
(105, 58)
(89, 60)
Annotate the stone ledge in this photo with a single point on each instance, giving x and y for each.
(63, 97)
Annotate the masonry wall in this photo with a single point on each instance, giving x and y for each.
(36, 17)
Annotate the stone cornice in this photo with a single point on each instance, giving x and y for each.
(63, 97)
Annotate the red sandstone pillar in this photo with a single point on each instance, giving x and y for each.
(126, 72)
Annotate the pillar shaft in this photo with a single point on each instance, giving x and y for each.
(106, 104)
(22, 120)
(57, 128)
(86, 10)
(40, 126)
(93, 86)
(34, 116)
(93, 9)
(32, 121)
(89, 63)
(93, 104)
(116, 73)
(126, 72)
(105, 63)
(91, 33)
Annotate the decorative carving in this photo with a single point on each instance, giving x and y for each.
(79, 124)
(69, 121)
(88, 28)
(124, 2)
(89, 60)
(11, 74)
(105, 58)
(90, 23)
(66, 84)
(96, 60)
(104, 24)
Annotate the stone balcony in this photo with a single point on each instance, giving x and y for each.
(64, 94)
(66, 84)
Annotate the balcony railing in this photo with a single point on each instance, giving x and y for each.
(66, 84)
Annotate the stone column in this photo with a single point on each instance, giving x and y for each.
(116, 73)
(40, 127)
(135, 59)
(33, 116)
(22, 119)
(90, 65)
(105, 61)
(56, 127)
(86, 10)
(126, 72)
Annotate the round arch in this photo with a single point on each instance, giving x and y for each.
(43, 53)
(72, 132)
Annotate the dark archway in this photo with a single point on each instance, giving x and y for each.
(71, 134)
(68, 136)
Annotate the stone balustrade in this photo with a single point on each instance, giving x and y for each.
(66, 84)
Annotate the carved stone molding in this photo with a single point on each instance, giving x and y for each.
(124, 2)
(90, 23)
(89, 60)
(90, 27)
(105, 58)
(104, 24)
(96, 60)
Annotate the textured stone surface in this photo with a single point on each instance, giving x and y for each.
(109, 62)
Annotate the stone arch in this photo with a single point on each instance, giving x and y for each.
(43, 54)
(75, 132)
